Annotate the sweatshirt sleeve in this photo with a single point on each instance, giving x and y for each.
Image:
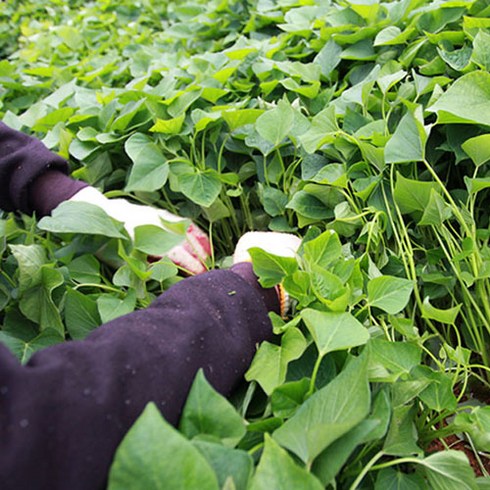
(63, 414)
(22, 160)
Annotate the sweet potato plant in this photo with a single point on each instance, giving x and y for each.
(361, 126)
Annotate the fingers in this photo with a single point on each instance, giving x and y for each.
(186, 260)
(199, 241)
(191, 255)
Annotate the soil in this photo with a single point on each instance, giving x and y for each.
(453, 442)
(482, 394)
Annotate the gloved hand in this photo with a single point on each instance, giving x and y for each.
(282, 244)
(190, 255)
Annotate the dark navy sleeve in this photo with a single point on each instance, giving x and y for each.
(63, 414)
(22, 160)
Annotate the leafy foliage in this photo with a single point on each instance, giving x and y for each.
(361, 126)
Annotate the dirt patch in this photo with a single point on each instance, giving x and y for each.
(454, 442)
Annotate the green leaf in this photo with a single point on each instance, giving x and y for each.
(254, 140)
(150, 168)
(327, 415)
(328, 57)
(404, 392)
(436, 212)
(386, 82)
(329, 289)
(273, 200)
(298, 287)
(477, 425)
(81, 217)
(391, 35)
(37, 302)
(227, 464)
(238, 118)
(85, 269)
(458, 59)
(83, 150)
(154, 240)
(334, 331)
(408, 141)
(481, 50)
(483, 483)
(390, 479)
(390, 360)
(30, 259)
(309, 206)
(61, 94)
(23, 350)
(323, 250)
(390, 294)
(439, 394)
(217, 211)
(81, 314)
(201, 187)
(329, 463)
(401, 439)
(70, 36)
(449, 470)
(153, 455)
(478, 148)
(167, 126)
(466, 101)
(111, 307)
(322, 131)
(163, 269)
(183, 101)
(50, 120)
(287, 398)
(271, 269)
(477, 184)
(332, 174)
(202, 119)
(278, 471)
(269, 365)
(274, 125)
(206, 412)
(413, 195)
(447, 316)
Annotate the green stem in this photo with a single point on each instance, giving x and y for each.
(9, 279)
(314, 375)
(407, 251)
(256, 448)
(477, 457)
(221, 150)
(246, 212)
(170, 205)
(99, 286)
(455, 209)
(366, 470)
(395, 462)
(211, 235)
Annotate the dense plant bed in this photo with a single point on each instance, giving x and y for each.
(363, 127)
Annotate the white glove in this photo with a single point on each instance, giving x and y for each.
(191, 254)
(282, 244)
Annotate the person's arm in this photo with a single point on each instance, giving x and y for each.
(34, 180)
(24, 160)
(63, 414)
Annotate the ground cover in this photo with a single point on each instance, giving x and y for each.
(362, 126)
